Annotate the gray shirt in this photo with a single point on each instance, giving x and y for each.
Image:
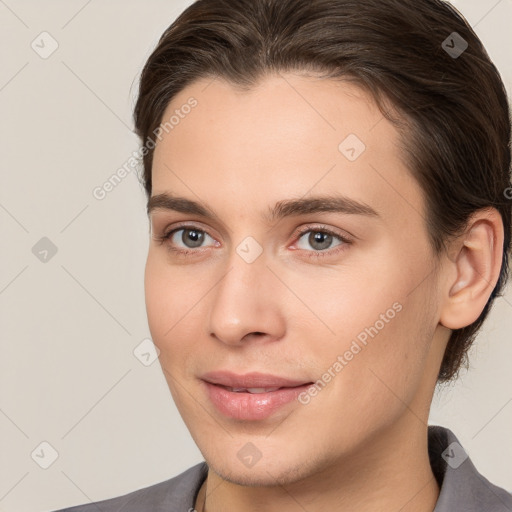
(462, 487)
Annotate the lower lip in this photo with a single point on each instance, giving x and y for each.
(251, 406)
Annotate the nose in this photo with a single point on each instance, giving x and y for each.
(246, 303)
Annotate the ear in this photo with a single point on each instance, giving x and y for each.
(475, 265)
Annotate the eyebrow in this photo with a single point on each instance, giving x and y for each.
(284, 208)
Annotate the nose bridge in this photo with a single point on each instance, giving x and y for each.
(244, 299)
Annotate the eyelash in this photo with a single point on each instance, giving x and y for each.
(165, 239)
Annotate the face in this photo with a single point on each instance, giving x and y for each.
(335, 302)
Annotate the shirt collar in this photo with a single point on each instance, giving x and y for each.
(462, 487)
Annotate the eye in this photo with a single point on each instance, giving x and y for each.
(185, 239)
(321, 240)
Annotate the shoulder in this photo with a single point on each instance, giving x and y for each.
(462, 487)
(177, 493)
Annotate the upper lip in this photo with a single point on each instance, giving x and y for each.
(251, 380)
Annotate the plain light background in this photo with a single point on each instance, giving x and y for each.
(70, 325)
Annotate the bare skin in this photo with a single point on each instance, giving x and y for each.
(361, 442)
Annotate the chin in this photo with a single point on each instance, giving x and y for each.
(263, 474)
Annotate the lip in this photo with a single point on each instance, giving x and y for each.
(251, 380)
(251, 406)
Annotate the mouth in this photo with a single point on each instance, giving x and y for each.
(259, 382)
(249, 390)
(253, 396)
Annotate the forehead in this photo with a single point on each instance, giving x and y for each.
(287, 136)
(279, 112)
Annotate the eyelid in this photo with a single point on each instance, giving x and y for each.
(192, 225)
(342, 235)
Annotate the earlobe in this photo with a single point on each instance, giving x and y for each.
(477, 265)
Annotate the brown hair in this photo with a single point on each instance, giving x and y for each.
(453, 109)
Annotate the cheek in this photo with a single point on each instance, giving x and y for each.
(166, 306)
(156, 294)
(384, 376)
(382, 330)
(175, 301)
(346, 300)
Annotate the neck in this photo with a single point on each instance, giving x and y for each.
(391, 472)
